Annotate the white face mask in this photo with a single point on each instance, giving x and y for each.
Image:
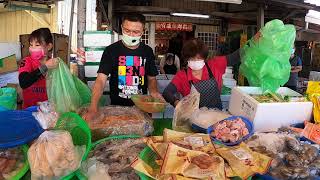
(196, 65)
(130, 40)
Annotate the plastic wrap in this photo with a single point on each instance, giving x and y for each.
(184, 110)
(95, 170)
(119, 120)
(46, 115)
(11, 162)
(270, 47)
(53, 155)
(205, 117)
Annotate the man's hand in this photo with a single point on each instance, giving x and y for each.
(157, 95)
(90, 115)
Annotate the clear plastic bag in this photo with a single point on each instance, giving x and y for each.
(205, 117)
(119, 120)
(53, 155)
(95, 170)
(265, 58)
(46, 115)
(184, 110)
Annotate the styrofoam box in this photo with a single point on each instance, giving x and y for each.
(268, 116)
(11, 77)
(93, 54)
(106, 88)
(97, 38)
(228, 75)
(163, 81)
(230, 83)
(314, 76)
(91, 71)
(168, 113)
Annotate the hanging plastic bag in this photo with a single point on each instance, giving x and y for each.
(313, 92)
(184, 110)
(265, 58)
(8, 98)
(66, 91)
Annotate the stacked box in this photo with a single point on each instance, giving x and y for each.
(94, 42)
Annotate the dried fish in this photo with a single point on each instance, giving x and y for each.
(118, 155)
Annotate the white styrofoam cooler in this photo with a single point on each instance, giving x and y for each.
(268, 116)
(93, 54)
(97, 38)
(91, 70)
(11, 77)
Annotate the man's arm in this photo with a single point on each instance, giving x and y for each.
(97, 91)
(177, 62)
(162, 63)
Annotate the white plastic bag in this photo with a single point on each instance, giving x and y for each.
(46, 115)
(205, 117)
(53, 156)
(95, 170)
(184, 110)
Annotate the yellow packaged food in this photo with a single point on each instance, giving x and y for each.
(313, 92)
(199, 142)
(192, 164)
(157, 147)
(140, 166)
(244, 162)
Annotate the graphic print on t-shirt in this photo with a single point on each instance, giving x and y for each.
(131, 72)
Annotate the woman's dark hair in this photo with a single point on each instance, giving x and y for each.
(193, 47)
(42, 35)
(170, 57)
(134, 17)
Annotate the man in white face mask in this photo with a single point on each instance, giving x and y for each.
(131, 65)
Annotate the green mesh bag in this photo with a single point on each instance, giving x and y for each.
(8, 98)
(265, 57)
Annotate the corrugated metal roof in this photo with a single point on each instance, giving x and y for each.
(47, 2)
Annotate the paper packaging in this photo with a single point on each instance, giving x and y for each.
(93, 54)
(97, 38)
(8, 64)
(268, 116)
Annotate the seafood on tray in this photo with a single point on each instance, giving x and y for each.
(118, 156)
(230, 130)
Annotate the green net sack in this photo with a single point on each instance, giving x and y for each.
(8, 98)
(265, 57)
(66, 91)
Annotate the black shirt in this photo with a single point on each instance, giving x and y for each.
(129, 69)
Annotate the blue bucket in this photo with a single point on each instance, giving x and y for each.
(249, 126)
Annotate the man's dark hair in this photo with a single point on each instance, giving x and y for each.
(42, 35)
(134, 17)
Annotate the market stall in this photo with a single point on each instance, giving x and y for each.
(268, 132)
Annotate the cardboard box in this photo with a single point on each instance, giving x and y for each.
(93, 54)
(268, 116)
(8, 64)
(9, 78)
(97, 38)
